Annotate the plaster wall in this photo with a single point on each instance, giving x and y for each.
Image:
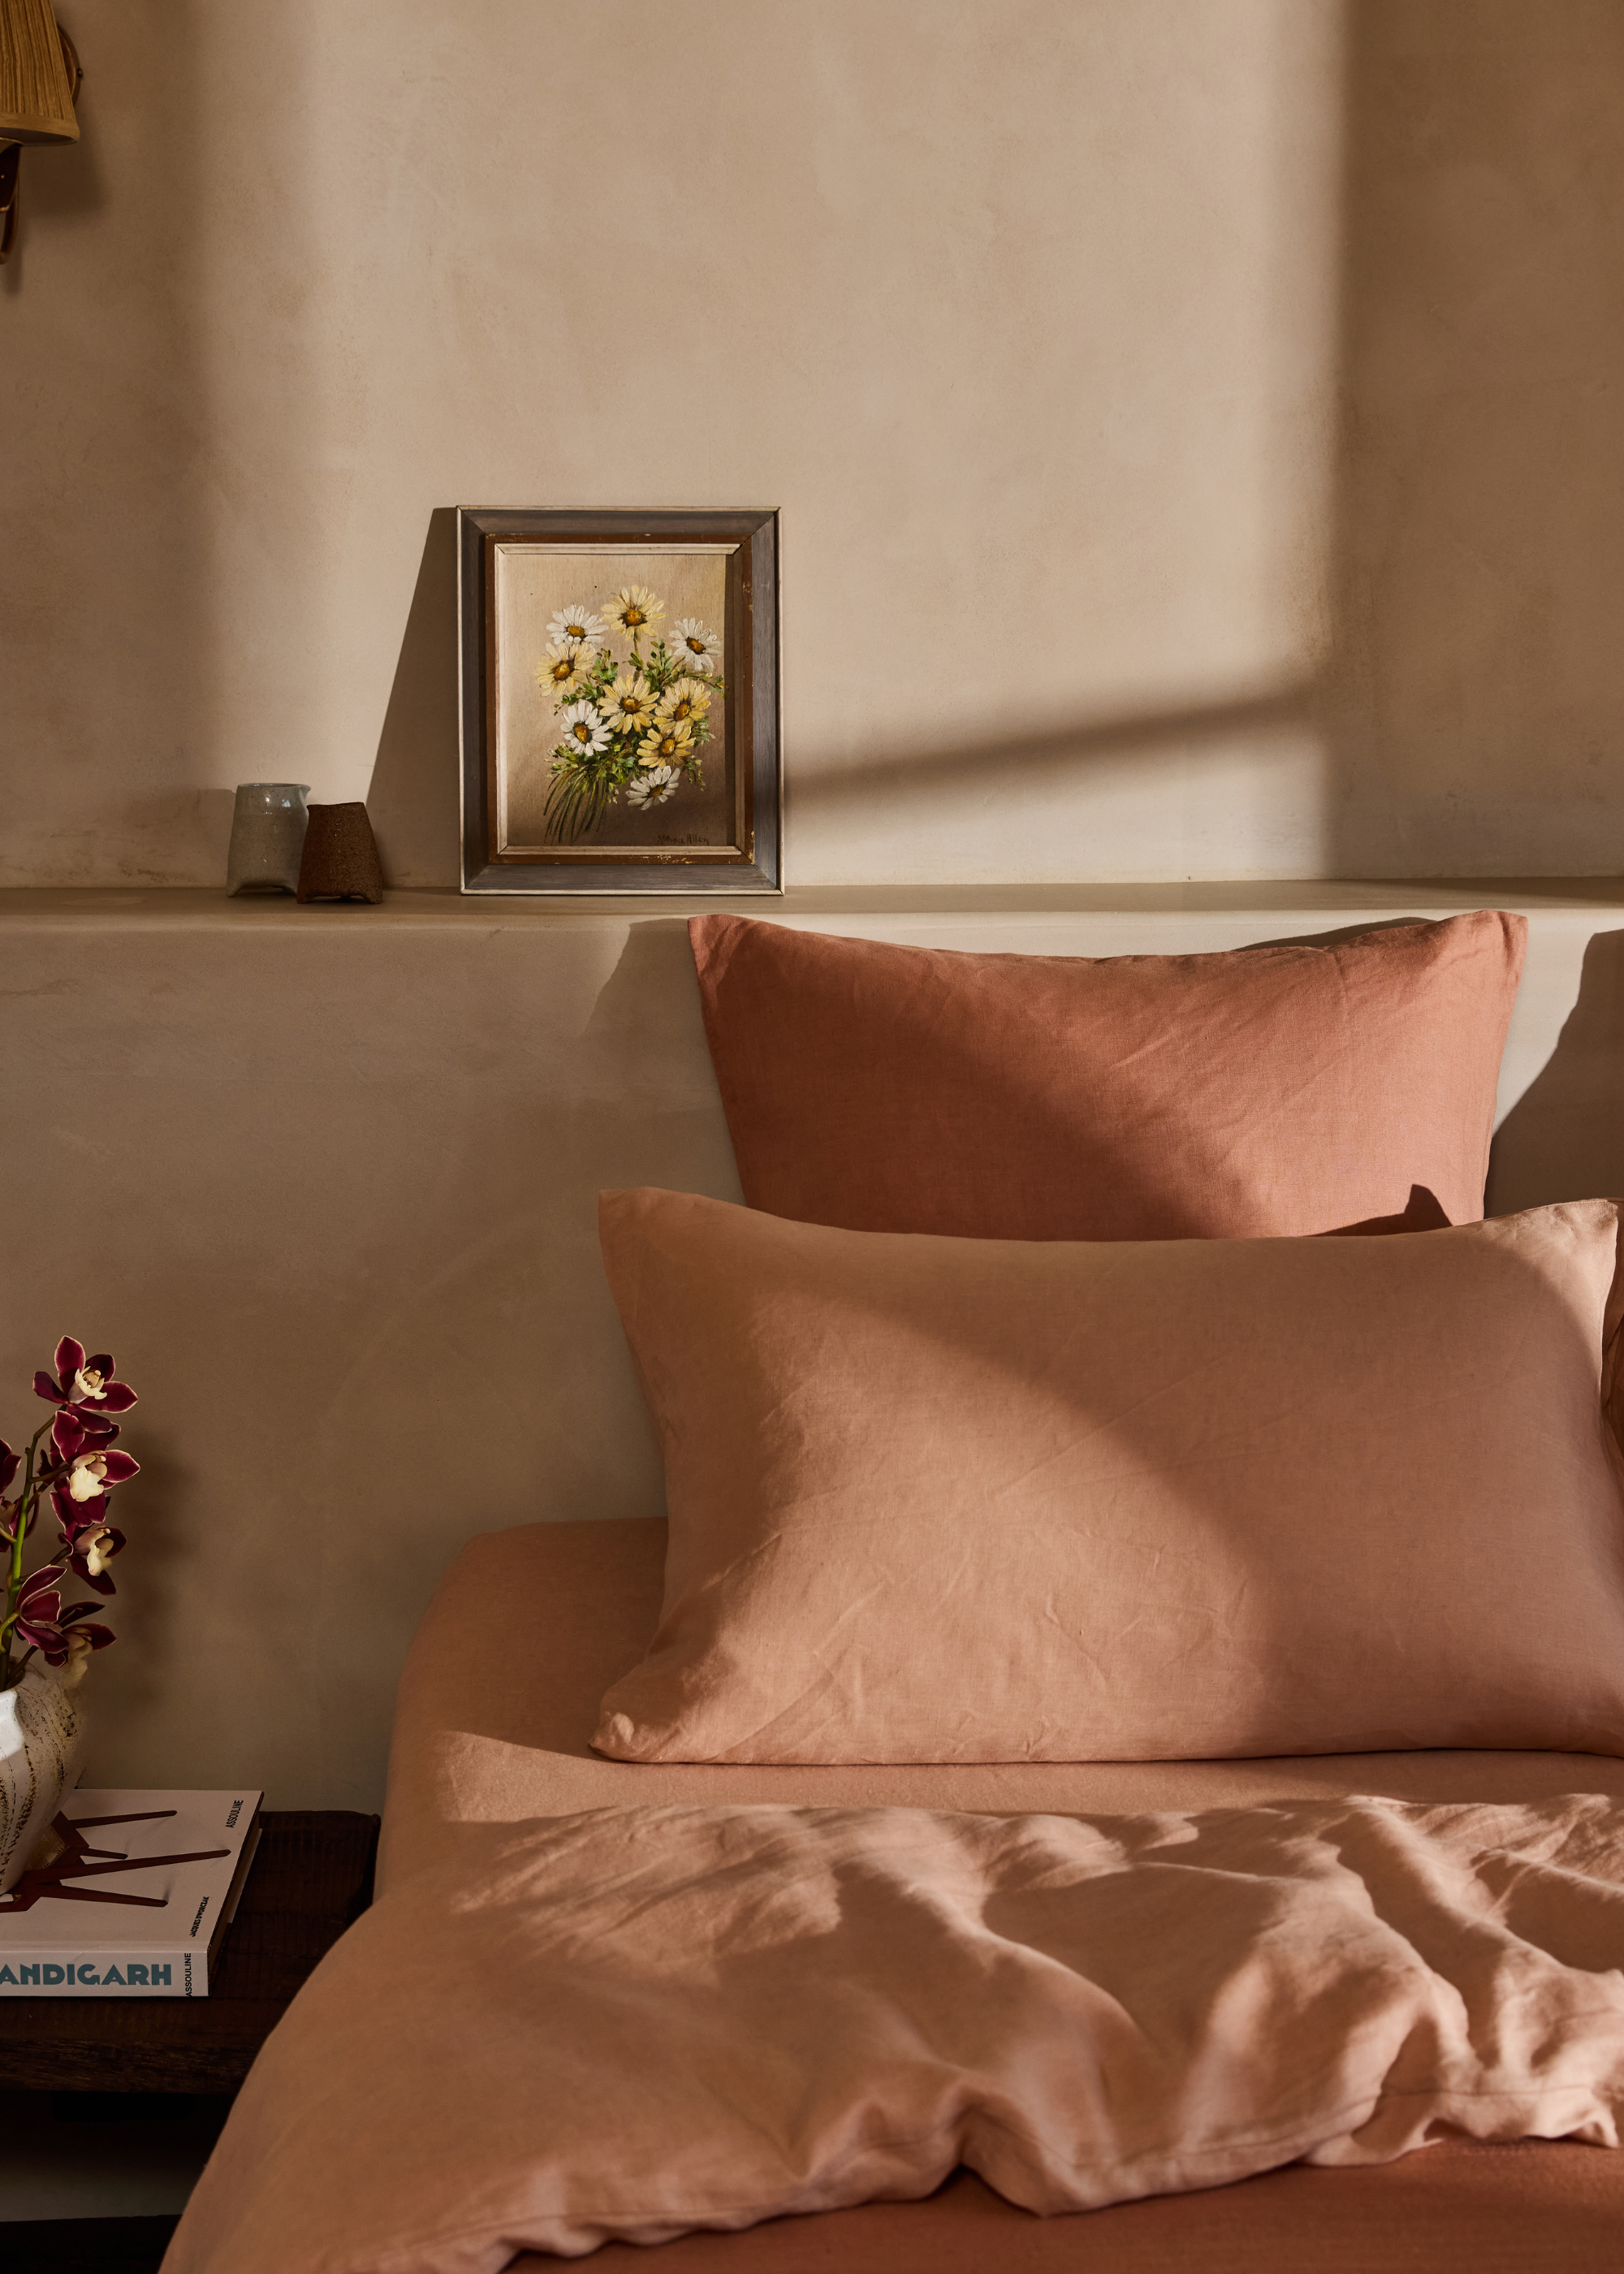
(1194, 421)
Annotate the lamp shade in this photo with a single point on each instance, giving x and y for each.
(36, 93)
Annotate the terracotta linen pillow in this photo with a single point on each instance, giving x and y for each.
(959, 1500)
(1265, 1090)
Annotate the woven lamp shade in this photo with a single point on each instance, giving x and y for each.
(36, 95)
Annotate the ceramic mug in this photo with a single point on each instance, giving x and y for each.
(268, 837)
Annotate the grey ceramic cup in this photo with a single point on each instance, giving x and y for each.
(268, 837)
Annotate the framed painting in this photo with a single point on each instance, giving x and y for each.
(619, 701)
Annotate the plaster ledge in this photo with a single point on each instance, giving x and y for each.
(182, 908)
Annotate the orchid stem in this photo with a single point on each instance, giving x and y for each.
(28, 1501)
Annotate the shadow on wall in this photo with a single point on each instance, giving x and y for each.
(934, 767)
(1564, 1138)
(413, 797)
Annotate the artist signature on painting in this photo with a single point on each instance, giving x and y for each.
(689, 839)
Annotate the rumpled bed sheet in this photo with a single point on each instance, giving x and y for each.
(641, 2022)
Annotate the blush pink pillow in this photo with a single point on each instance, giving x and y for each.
(960, 1500)
(1268, 1090)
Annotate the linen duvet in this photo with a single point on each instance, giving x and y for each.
(636, 2023)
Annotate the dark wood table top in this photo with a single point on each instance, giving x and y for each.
(311, 1877)
(87, 2246)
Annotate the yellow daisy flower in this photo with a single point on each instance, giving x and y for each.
(668, 745)
(634, 611)
(563, 669)
(685, 700)
(629, 702)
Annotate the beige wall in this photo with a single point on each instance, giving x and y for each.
(1195, 420)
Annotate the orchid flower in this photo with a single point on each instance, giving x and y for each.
(91, 1546)
(87, 1383)
(81, 1640)
(92, 1552)
(42, 1623)
(38, 1614)
(11, 1512)
(78, 1468)
(90, 1463)
(89, 1469)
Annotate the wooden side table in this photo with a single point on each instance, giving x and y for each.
(311, 1877)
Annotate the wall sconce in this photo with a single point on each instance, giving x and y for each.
(40, 79)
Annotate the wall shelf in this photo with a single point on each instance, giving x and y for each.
(186, 909)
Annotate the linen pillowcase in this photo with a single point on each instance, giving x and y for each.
(957, 1500)
(1265, 1090)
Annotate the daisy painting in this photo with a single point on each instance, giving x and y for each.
(618, 691)
(636, 698)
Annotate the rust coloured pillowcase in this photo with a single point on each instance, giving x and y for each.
(1266, 1090)
(938, 1500)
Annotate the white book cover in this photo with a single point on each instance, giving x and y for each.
(130, 1896)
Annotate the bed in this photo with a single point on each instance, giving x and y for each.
(488, 1737)
(500, 1781)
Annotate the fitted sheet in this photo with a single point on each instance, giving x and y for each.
(529, 1628)
(497, 1702)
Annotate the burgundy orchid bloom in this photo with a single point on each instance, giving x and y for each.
(86, 1384)
(76, 1469)
(10, 1516)
(38, 1615)
(77, 1631)
(91, 1550)
(80, 1496)
(90, 1539)
(89, 1429)
(93, 1465)
(42, 1623)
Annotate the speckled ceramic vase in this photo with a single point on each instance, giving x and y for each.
(41, 1737)
(268, 837)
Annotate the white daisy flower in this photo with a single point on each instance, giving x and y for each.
(654, 786)
(667, 745)
(634, 611)
(584, 733)
(564, 669)
(629, 702)
(699, 648)
(577, 623)
(685, 700)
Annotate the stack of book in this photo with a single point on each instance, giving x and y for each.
(129, 1895)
